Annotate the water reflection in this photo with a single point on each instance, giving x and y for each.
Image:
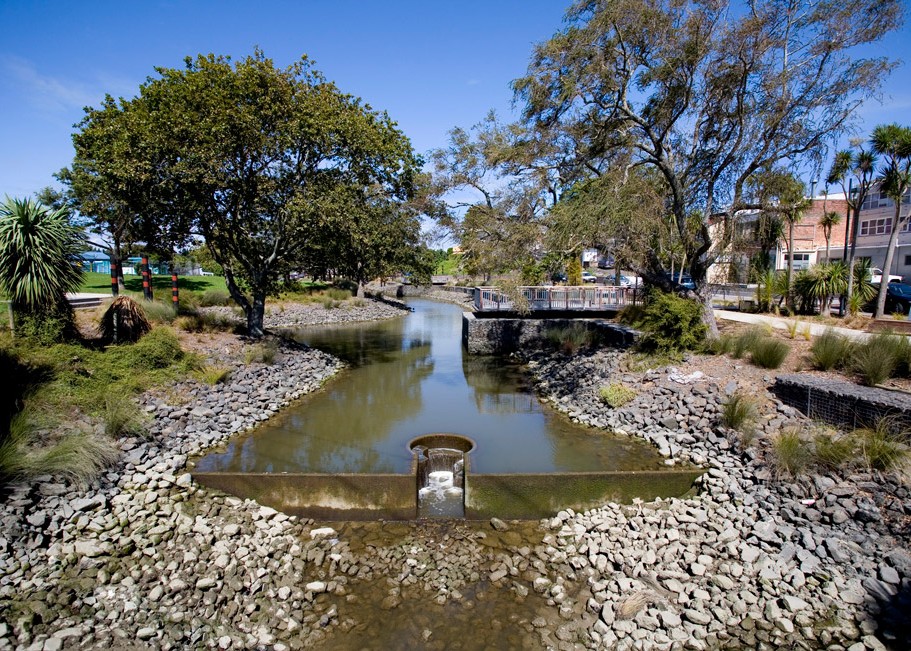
(408, 377)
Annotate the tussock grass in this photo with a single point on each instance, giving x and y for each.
(744, 342)
(830, 350)
(215, 297)
(769, 353)
(616, 395)
(834, 451)
(569, 339)
(262, 353)
(740, 412)
(876, 359)
(122, 417)
(159, 311)
(213, 374)
(883, 446)
(791, 453)
(721, 345)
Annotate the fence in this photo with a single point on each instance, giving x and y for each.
(608, 297)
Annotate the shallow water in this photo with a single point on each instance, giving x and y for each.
(409, 377)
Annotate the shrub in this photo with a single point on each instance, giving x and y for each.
(769, 353)
(123, 321)
(832, 451)
(569, 339)
(122, 417)
(158, 349)
(791, 453)
(261, 353)
(338, 294)
(631, 315)
(739, 412)
(672, 324)
(616, 395)
(45, 329)
(214, 374)
(830, 350)
(214, 297)
(876, 359)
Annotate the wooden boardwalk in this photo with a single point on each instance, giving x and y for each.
(600, 298)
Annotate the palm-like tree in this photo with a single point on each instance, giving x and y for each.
(893, 142)
(39, 257)
(830, 219)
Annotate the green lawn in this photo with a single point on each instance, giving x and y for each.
(95, 283)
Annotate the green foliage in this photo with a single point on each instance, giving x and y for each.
(213, 374)
(879, 357)
(616, 394)
(631, 315)
(158, 349)
(337, 294)
(769, 352)
(720, 345)
(574, 271)
(739, 412)
(205, 321)
(39, 255)
(833, 451)
(672, 324)
(746, 341)
(239, 130)
(791, 453)
(830, 350)
(45, 329)
(262, 353)
(214, 297)
(122, 417)
(569, 339)
(884, 445)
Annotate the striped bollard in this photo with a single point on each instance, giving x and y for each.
(146, 279)
(115, 288)
(175, 292)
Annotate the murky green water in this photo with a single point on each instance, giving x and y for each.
(409, 377)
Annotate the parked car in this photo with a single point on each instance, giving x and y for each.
(558, 277)
(898, 299)
(877, 276)
(630, 281)
(589, 277)
(684, 280)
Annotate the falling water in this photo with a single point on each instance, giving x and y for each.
(441, 476)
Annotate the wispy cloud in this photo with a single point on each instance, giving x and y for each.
(472, 82)
(44, 92)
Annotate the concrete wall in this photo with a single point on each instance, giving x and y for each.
(491, 335)
(533, 496)
(394, 497)
(323, 497)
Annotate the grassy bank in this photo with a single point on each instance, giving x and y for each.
(95, 283)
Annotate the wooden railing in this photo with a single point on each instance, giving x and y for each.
(492, 299)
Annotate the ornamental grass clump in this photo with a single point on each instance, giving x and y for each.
(158, 349)
(876, 359)
(744, 342)
(769, 353)
(834, 451)
(122, 417)
(739, 412)
(569, 339)
(883, 446)
(213, 374)
(791, 453)
(262, 353)
(830, 350)
(214, 298)
(616, 395)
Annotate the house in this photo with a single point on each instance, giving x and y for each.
(95, 261)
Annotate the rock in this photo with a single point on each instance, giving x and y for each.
(498, 524)
(697, 617)
(323, 532)
(145, 633)
(88, 548)
(316, 587)
(793, 603)
(889, 575)
(205, 583)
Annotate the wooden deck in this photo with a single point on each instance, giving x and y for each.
(600, 298)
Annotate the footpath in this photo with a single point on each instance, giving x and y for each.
(778, 323)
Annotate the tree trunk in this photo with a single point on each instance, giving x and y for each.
(708, 313)
(887, 265)
(790, 297)
(256, 313)
(854, 228)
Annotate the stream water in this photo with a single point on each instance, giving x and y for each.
(408, 377)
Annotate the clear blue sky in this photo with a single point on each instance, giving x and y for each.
(432, 64)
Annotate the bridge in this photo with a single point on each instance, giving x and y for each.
(600, 298)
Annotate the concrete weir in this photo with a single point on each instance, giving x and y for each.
(501, 333)
(520, 496)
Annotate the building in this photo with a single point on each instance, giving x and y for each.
(95, 261)
(876, 216)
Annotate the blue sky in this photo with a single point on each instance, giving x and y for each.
(432, 64)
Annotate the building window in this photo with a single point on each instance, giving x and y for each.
(881, 226)
(801, 260)
(908, 260)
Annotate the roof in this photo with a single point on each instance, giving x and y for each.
(94, 255)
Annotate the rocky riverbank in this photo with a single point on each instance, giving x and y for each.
(287, 314)
(751, 561)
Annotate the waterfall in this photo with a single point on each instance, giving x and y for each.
(441, 481)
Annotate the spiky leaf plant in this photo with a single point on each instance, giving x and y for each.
(39, 255)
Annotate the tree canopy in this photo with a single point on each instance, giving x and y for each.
(705, 94)
(275, 168)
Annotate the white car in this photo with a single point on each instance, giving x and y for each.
(877, 276)
(589, 277)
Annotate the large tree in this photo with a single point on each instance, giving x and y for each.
(706, 93)
(258, 161)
